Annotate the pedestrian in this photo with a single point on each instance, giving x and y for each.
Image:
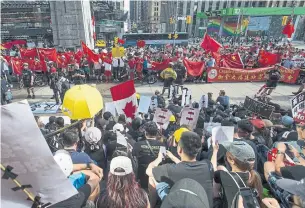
(169, 75)
(78, 76)
(28, 80)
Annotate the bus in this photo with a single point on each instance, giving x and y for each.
(155, 39)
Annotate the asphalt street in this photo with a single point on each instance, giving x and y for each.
(236, 91)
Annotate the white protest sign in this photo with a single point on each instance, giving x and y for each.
(26, 151)
(144, 104)
(110, 107)
(297, 103)
(209, 126)
(222, 134)
(203, 101)
(189, 116)
(161, 117)
(153, 103)
(186, 96)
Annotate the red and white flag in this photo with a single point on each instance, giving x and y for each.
(125, 100)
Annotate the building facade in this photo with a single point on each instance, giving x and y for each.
(179, 8)
(25, 20)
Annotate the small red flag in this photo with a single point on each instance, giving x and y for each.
(288, 29)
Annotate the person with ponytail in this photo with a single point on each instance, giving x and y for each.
(122, 189)
(241, 157)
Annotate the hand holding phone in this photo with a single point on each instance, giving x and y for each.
(163, 152)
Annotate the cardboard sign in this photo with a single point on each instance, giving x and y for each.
(110, 106)
(297, 103)
(203, 101)
(222, 134)
(153, 103)
(189, 116)
(26, 151)
(162, 117)
(144, 104)
(259, 108)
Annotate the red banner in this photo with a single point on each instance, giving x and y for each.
(160, 65)
(9, 45)
(49, 53)
(28, 53)
(220, 74)
(193, 68)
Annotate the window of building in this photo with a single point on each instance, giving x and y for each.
(225, 5)
(270, 4)
(284, 3)
(239, 4)
(217, 5)
(261, 4)
(232, 3)
(302, 3)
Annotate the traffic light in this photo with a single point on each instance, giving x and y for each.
(188, 19)
(175, 35)
(169, 36)
(116, 40)
(171, 20)
(284, 20)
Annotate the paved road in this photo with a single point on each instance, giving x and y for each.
(236, 91)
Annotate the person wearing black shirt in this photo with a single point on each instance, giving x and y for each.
(28, 80)
(146, 151)
(201, 171)
(79, 75)
(181, 76)
(273, 77)
(240, 157)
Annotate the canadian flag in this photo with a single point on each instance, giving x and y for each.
(125, 100)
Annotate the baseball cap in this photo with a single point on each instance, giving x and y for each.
(118, 127)
(93, 135)
(245, 125)
(123, 163)
(240, 150)
(287, 120)
(178, 133)
(258, 123)
(186, 193)
(292, 186)
(63, 159)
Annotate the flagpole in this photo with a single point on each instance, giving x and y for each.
(237, 26)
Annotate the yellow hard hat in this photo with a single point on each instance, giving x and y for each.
(178, 133)
(172, 118)
(138, 96)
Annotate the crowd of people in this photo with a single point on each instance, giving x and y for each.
(119, 164)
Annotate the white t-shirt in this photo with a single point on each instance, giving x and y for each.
(107, 66)
(115, 62)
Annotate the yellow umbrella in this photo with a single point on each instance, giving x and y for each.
(82, 101)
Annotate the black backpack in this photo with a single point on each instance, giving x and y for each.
(248, 194)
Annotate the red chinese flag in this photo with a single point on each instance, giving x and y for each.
(209, 44)
(160, 65)
(193, 68)
(232, 60)
(267, 58)
(121, 41)
(28, 53)
(17, 65)
(288, 29)
(92, 57)
(124, 98)
(140, 43)
(49, 53)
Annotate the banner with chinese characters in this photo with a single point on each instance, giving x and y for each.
(297, 103)
(221, 74)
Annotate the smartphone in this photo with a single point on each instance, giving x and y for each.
(163, 151)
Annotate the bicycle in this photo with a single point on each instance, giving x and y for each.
(38, 81)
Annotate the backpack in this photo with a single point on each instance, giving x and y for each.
(248, 194)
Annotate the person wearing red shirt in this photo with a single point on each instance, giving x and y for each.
(132, 66)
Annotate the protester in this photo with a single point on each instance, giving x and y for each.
(169, 75)
(122, 189)
(28, 80)
(223, 99)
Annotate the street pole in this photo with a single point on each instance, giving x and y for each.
(241, 25)
(176, 19)
(237, 27)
